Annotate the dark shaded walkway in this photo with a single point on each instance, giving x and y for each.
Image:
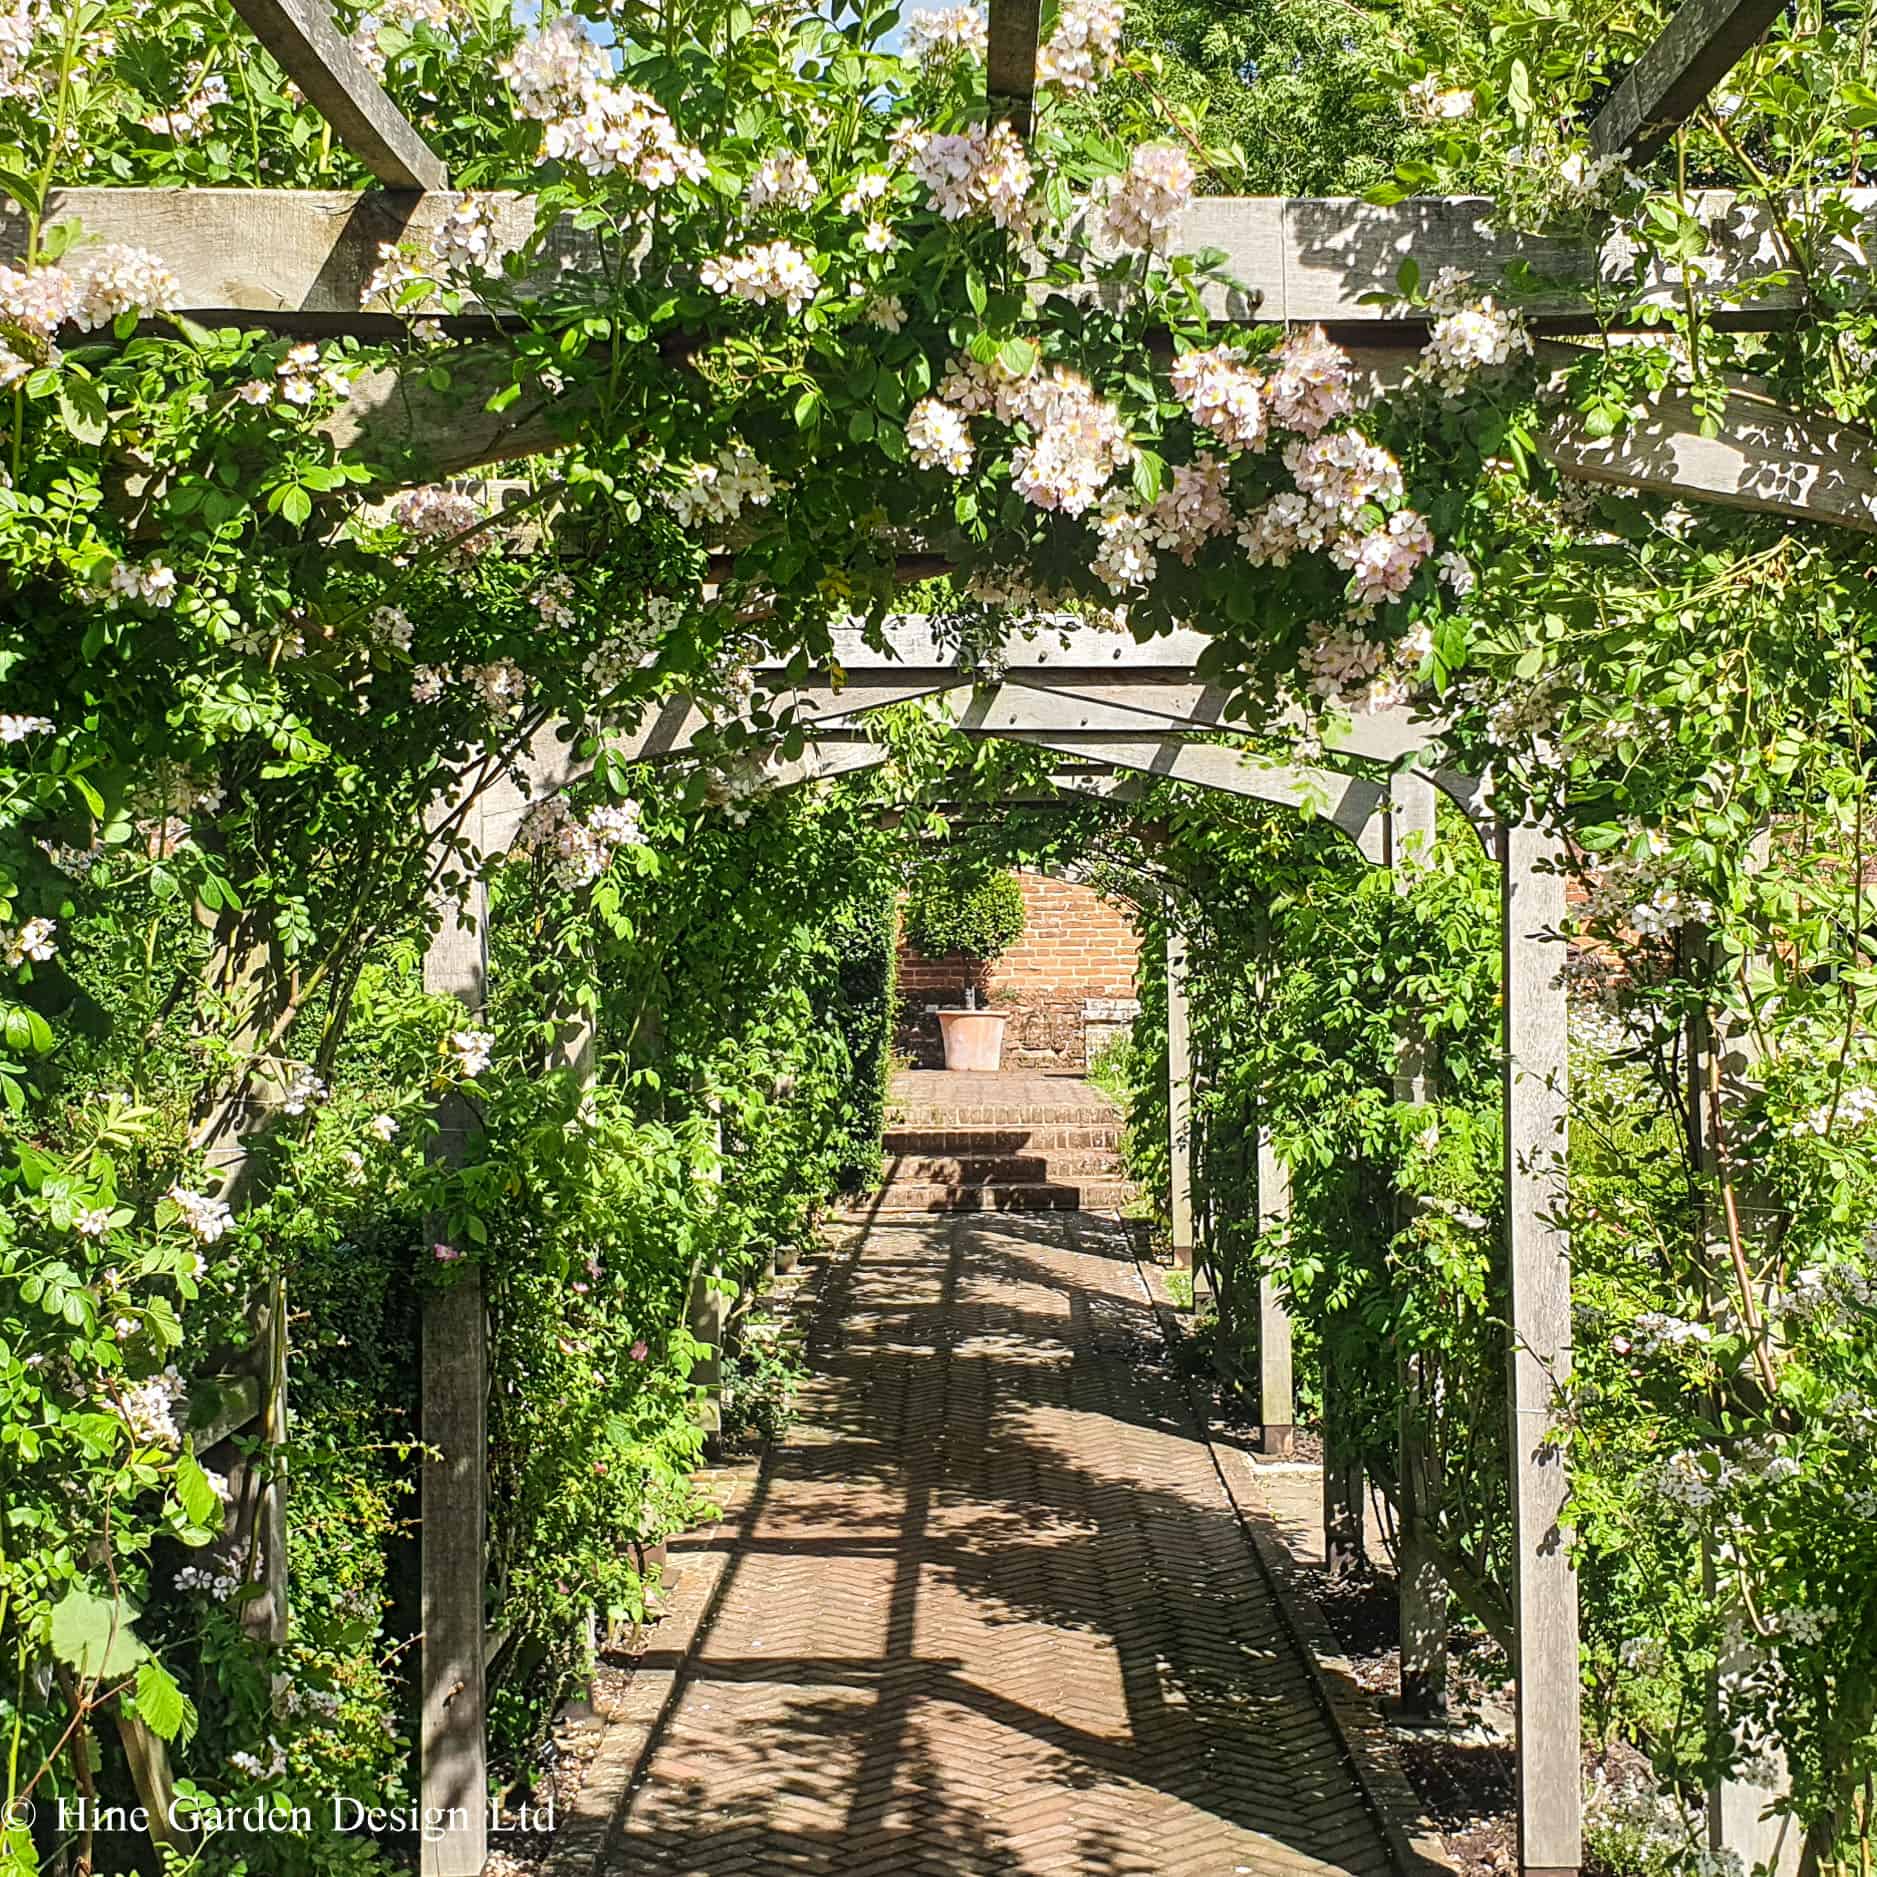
(991, 1610)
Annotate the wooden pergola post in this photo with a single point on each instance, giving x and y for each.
(1544, 1581)
(1277, 1385)
(453, 1720)
(1421, 1589)
(1180, 1109)
(1277, 1391)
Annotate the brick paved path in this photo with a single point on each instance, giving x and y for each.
(991, 1610)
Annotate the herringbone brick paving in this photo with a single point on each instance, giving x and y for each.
(991, 1610)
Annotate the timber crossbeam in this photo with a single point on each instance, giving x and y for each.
(301, 258)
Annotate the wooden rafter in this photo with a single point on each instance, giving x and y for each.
(1010, 64)
(300, 258)
(1766, 459)
(1704, 41)
(308, 48)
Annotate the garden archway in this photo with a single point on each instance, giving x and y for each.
(1090, 695)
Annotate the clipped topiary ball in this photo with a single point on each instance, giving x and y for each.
(980, 917)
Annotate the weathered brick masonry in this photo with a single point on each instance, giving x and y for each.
(1076, 947)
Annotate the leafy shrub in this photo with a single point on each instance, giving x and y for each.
(865, 937)
(978, 917)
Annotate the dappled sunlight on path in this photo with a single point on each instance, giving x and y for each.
(990, 1609)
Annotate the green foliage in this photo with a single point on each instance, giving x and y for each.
(978, 916)
(867, 938)
(1303, 93)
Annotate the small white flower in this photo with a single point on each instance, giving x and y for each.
(302, 1092)
(18, 729)
(381, 1127)
(1457, 573)
(943, 32)
(93, 1224)
(208, 1218)
(473, 1051)
(887, 311)
(1144, 206)
(35, 941)
(153, 583)
(783, 182)
(149, 1410)
(938, 437)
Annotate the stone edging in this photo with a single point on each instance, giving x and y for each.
(1414, 1845)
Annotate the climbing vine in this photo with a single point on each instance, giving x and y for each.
(787, 308)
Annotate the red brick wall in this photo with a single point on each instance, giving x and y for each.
(1075, 946)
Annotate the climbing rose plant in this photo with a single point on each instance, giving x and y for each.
(786, 308)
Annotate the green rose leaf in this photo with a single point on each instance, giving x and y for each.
(93, 1635)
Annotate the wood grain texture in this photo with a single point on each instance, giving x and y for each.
(1768, 461)
(1352, 806)
(453, 1493)
(1422, 1592)
(1016, 28)
(301, 257)
(1699, 46)
(309, 49)
(1544, 1584)
(453, 1747)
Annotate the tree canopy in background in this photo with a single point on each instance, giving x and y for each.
(1305, 91)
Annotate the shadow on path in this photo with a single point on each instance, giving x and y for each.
(991, 1609)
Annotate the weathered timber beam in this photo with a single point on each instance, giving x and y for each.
(553, 760)
(266, 254)
(1392, 736)
(1704, 41)
(395, 421)
(1357, 809)
(1767, 460)
(299, 258)
(308, 48)
(1015, 30)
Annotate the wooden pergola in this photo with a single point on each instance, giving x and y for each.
(297, 261)
(1101, 699)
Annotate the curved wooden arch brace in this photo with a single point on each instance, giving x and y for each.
(1369, 739)
(552, 762)
(1121, 736)
(1355, 807)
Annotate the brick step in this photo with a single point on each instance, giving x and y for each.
(1001, 1114)
(1024, 1196)
(1063, 1167)
(988, 1143)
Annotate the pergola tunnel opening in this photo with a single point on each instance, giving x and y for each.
(1128, 733)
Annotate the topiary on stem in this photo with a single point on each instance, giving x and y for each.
(977, 915)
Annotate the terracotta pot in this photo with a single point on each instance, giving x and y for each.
(974, 1039)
